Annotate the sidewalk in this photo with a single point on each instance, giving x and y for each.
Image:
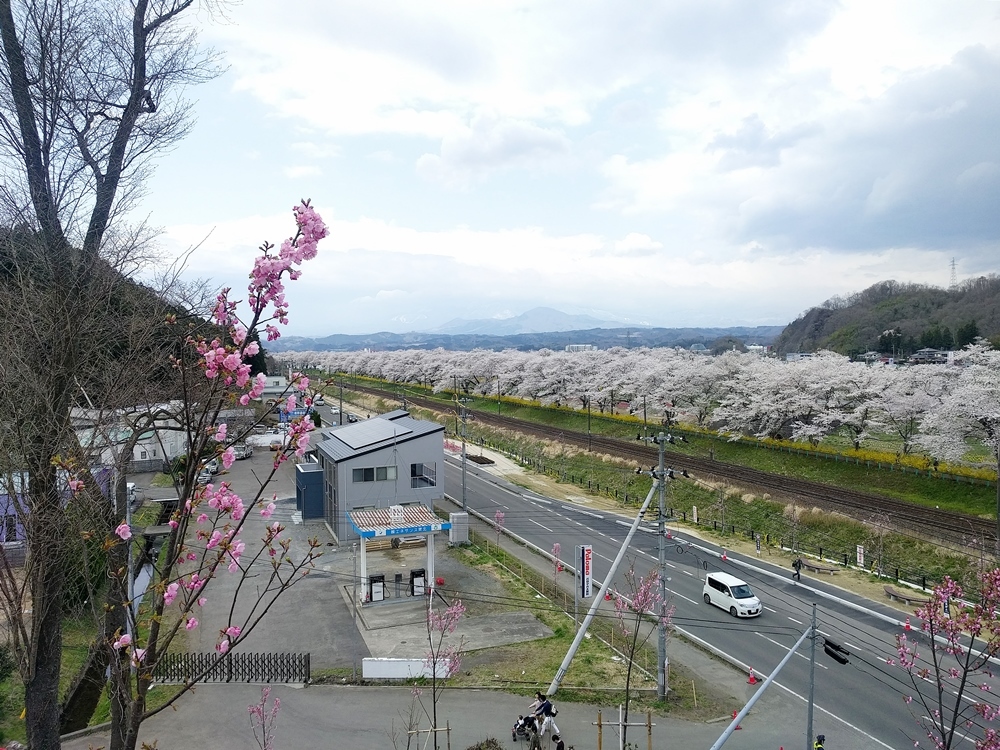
(323, 716)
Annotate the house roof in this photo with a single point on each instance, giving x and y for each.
(396, 520)
(373, 434)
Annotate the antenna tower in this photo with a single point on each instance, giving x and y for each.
(954, 275)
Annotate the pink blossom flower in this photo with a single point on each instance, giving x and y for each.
(171, 593)
(123, 640)
(222, 646)
(233, 631)
(138, 656)
(75, 485)
(228, 457)
(124, 531)
(202, 600)
(220, 433)
(267, 511)
(191, 623)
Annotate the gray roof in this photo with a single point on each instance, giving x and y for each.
(373, 434)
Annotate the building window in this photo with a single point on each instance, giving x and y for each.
(10, 528)
(142, 455)
(423, 475)
(374, 474)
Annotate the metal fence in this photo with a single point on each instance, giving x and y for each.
(233, 667)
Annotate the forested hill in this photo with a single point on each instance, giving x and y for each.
(898, 319)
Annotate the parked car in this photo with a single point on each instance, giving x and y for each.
(212, 467)
(351, 418)
(242, 450)
(204, 477)
(318, 400)
(275, 445)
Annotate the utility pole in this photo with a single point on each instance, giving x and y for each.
(340, 416)
(590, 441)
(498, 395)
(460, 404)
(464, 503)
(660, 474)
(812, 680)
(661, 532)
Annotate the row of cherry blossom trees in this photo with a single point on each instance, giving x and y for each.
(943, 410)
(741, 394)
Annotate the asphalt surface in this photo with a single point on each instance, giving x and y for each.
(317, 616)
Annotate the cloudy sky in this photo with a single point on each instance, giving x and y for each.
(699, 163)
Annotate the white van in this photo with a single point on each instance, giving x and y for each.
(731, 594)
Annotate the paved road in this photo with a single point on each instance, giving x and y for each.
(322, 717)
(863, 698)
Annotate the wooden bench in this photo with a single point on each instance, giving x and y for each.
(904, 596)
(817, 568)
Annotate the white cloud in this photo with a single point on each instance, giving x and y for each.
(741, 161)
(489, 143)
(302, 170)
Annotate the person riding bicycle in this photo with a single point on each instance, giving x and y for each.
(820, 742)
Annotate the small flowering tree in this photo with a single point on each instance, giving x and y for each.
(641, 603)
(206, 528)
(948, 663)
(263, 719)
(442, 660)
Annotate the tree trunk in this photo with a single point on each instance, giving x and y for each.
(43, 663)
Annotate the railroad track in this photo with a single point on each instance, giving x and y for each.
(932, 522)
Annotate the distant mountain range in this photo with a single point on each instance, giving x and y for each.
(540, 328)
(536, 320)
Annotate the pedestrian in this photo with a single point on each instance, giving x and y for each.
(797, 566)
(820, 742)
(560, 745)
(534, 739)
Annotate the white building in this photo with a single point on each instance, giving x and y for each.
(389, 460)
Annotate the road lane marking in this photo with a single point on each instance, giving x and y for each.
(797, 622)
(538, 524)
(580, 510)
(834, 716)
(542, 500)
(782, 645)
(682, 596)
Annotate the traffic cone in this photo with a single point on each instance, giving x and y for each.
(724, 555)
(753, 678)
(607, 596)
(906, 625)
(734, 716)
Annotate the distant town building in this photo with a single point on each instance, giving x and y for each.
(796, 356)
(581, 348)
(758, 349)
(928, 357)
(699, 349)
